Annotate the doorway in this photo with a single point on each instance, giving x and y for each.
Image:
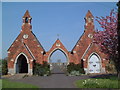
(58, 62)
(21, 65)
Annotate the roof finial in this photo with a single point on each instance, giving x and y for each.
(58, 36)
(89, 14)
(27, 14)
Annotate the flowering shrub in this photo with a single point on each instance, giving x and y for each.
(88, 83)
(110, 67)
(102, 82)
(72, 73)
(75, 69)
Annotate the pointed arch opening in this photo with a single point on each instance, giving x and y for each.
(58, 60)
(58, 55)
(94, 63)
(26, 20)
(21, 64)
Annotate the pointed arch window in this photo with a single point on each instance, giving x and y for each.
(26, 20)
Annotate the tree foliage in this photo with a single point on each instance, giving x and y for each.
(4, 67)
(75, 69)
(41, 69)
(107, 38)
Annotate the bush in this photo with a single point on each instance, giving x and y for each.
(0, 67)
(72, 73)
(75, 69)
(41, 69)
(110, 67)
(4, 67)
(70, 67)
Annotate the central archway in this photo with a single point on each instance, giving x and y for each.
(58, 49)
(58, 60)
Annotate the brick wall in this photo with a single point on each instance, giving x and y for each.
(27, 43)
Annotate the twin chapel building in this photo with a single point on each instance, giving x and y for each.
(26, 49)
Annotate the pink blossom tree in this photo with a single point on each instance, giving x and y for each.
(107, 38)
(118, 32)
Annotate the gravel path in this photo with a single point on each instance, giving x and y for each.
(57, 80)
(53, 81)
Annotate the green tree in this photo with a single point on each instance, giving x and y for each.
(4, 67)
(118, 31)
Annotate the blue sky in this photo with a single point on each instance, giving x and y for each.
(59, 0)
(50, 19)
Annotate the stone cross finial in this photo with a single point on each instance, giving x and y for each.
(58, 36)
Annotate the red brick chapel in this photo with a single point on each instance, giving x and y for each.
(26, 49)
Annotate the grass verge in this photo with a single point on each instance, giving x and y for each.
(109, 82)
(0, 84)
(11, 84)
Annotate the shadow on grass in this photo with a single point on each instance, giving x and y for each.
(105, 76)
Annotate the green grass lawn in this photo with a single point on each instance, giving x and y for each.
(11, 84)
(110, 82)
(0, 84)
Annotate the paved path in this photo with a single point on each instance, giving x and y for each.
(53, 81)
(57, 80)
(58, 69)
